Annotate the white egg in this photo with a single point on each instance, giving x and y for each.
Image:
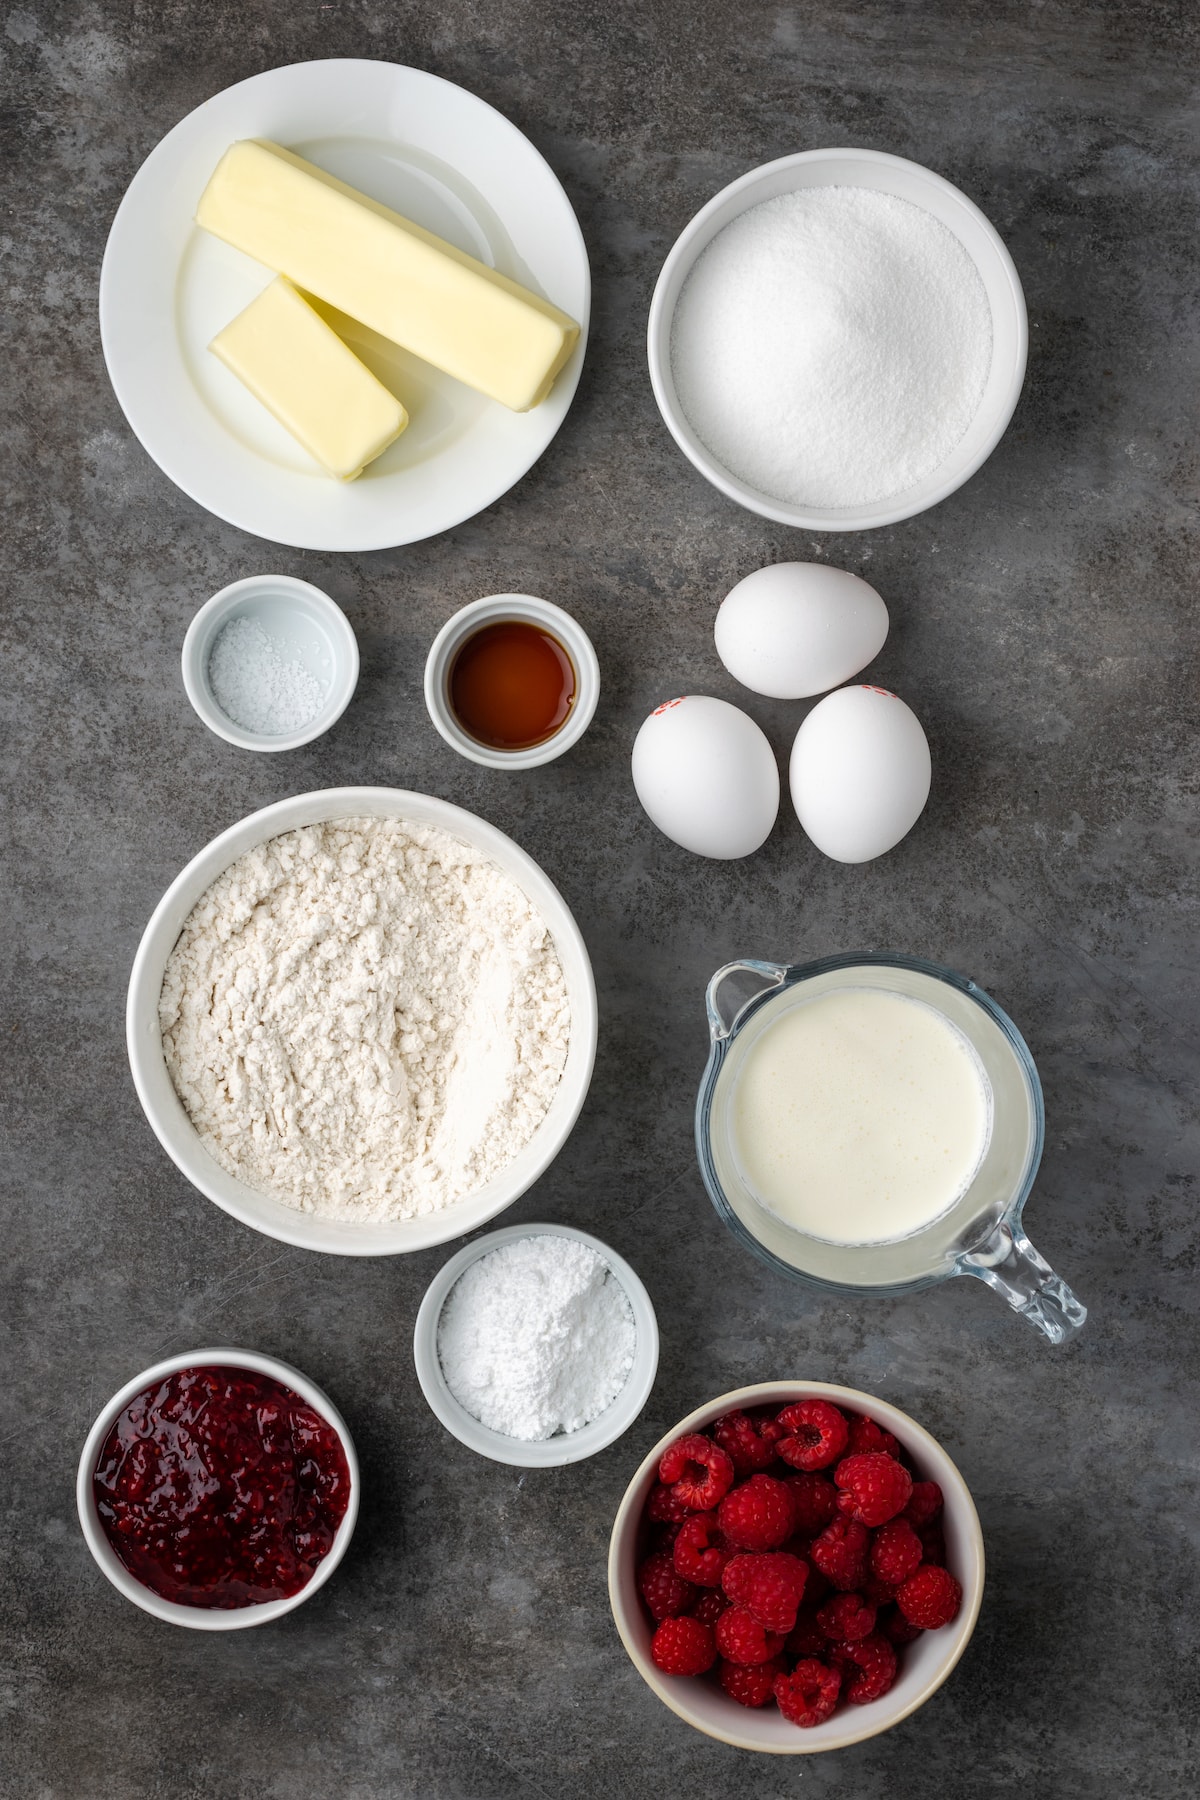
(707, 776)
(796, 629)
(860, 773)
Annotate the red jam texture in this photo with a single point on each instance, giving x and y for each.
(222, 1488)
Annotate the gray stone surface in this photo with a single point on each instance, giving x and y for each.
(1044, 627)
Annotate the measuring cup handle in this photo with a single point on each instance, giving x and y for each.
(733, 988)
(1009, 1263)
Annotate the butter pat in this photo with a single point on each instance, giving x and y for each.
(403, 282)
(291, 360)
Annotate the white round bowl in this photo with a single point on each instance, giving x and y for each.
(199, 1618)
(568, 1447)
(489, 611)
(924, 1664)
(263, 1211)
(316, 632)
(907, 181)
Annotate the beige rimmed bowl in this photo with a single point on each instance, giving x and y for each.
(924, 1664)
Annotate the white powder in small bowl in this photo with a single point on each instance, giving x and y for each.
(830, 347)
(537, 1337)
(259, 684)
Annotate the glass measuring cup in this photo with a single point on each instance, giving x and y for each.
(980, 1234)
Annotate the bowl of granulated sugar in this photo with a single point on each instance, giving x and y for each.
(838, 339)
(536, 1345)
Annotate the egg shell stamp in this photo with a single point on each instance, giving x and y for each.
(860, 773)
(796, 629)
(706, 775)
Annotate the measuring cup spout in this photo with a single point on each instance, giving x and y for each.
(733, 988)
(1009, 1263)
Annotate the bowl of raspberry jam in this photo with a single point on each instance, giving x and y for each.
(218, 1490)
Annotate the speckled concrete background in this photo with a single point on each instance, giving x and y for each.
(1044, 627)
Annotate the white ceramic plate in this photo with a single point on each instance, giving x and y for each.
(178, 1136)
(432, 152)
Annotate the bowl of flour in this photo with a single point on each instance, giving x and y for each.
(837, 341)
(362, 1021)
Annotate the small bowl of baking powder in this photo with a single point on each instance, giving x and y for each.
(270, 663)
(537, 1345)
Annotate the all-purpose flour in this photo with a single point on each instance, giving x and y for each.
(537, 1337)
(367, 1019)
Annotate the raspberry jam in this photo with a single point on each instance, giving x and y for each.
(221, 1487)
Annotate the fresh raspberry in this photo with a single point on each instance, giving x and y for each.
(742, 1639)
(749, 1686)
(895, 1552)
(846, 1618)
(814, 1502)
(757, 1515)
(924, 1504)
(770, 1586)
(898, 1629)
(701, 1550)
(709, 1607)
(664, 1507)
(866, 1435)
(746, 1440)
(662, 1537)
(698, 1470)
(933, 1543)
(806, 1637)
(683, 1647)
(875, 1658)
(930, 1598)
(816, 1434)
(874, 1487)
(809, 1694)
(664, 1592)
(840, 1553)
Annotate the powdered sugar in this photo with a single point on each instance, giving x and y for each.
(831, 346)
(537, 1337)
(366, 1018)
(257, 684)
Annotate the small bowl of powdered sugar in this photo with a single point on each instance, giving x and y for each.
(837, 341)
(536, 1345)
(270, 663)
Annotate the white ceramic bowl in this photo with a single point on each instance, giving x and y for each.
(313, 630)
(907, 181)
(199, 1618)
(924, 1664)
(174, 1129)
(489, 611)
(569, 1447)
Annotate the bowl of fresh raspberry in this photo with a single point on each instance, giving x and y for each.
(796, 1567)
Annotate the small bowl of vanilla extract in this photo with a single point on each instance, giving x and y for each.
(512, 681)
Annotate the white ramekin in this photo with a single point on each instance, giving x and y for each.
(286, 608)
(199, 1618)
(491, 610)
(569, 1447)
(907, 181)
(264, 1212)
(925, 1664)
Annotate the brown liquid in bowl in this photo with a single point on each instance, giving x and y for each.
(512, 685)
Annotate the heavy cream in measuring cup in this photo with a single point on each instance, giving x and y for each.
(860, 1115)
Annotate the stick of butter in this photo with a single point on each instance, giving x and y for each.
(403, 282)
(291, 360)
